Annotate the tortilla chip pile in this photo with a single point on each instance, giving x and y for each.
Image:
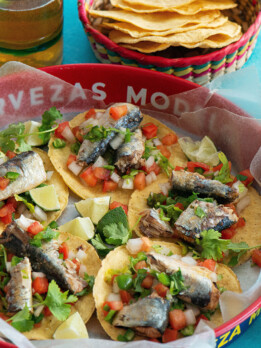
(149, 26)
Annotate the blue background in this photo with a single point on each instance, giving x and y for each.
(77, 50)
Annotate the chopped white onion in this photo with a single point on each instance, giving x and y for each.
(71, 255)
(39, 214)
(99, 115)
(150, 178)
(23, 222)
(113, 297)
(90, 122)
(3, 159)
(68, 135)
(75, 168)
(134, 245)
(100, 162)
(128, 184)
(165, 188)
(120, 183)
(38, 275)
(153, 175)
(195, 309)
(189, 260)
(176, 257)
(213, 277)
(242, 204)
(190, 317)
(116, 142)
(115, 287)
(81, 254)
(38, 310)
(82, 270)
(149, 162)
(8, 266)
(49, 174)
(115, 177)
(157, 142)
(155, 153)
(164, 250)
(27, 214)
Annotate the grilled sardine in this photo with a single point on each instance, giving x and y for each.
(130, 154)
(201, 290)
(30, 168)
(193, 182)
(218, 217)
(19, 288)
(43, 259)
(152, 226)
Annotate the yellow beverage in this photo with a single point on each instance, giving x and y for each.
(31, 31)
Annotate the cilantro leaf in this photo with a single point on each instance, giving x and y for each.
(140, 257)
(44, 236)
(58, 302)
(116, 234)
(199, 212)
(22, 321)
(100, 246)
(224, 173)
(15, 260)
(211, 244)
(90, 282)
(23, 146)
(49, 118)
(176, 283)
(241, 177)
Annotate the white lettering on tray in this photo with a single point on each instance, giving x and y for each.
(162, 96)
(180, 106)
(77, 92)
(101, 94)
(57, 97)
(2, 106)
(16, 102)
(36, 95)
(142, 95)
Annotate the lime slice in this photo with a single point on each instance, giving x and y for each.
(94, 208)
(32, 127)
(73, 327)
(200, 151)
(80, 227)
(45, 197)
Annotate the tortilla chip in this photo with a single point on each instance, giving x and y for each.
(191, 9)
(59, 158)
(160, 3)
(146, 46)
(85, 305)
(161, 21)
(119, 258)
(137, 32)
(60, 188)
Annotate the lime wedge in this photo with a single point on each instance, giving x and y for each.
(73, 327)
(94, 208)
(32, 127)
(80, 227)
(45, 197)
(200, 151)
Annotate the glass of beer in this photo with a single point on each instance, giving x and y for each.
(31, 32)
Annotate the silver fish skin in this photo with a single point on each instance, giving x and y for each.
(193, 182)
(31, 169)
(89, 152)
(43, 259)
(129, 155)
(19, 288)
(152, 226)
(201, 290)
(149, 312)
(217, 217)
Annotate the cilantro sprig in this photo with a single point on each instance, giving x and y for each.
(44, 236)
(98, 133)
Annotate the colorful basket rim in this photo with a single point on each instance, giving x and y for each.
(161, 61)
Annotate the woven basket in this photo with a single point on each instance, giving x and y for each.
(200, 69)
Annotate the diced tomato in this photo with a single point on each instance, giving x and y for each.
(9, 257)
(232, 206)
(169, 139)
(240, 223)
(115, 305)
(178, 168)
(60, 129)
(77, 263)
(161, 290)
(164, 151)
(71, 159)
(5, 288)
(101, 173)
(40, 285)
(103, 310)
(35, 228)
(13, 201)
(139, 181)
(3, 316)
(47, 312)
(192, 165)
(37, 325)
(8, 208)
(154, 168)
(10, 154)
(116, 112)
(109, 186)
(125, 296)
(249, 176)
(177, 319)
(64, 249)
(208, 263)
(77, 133)
(147, 282)
(140, 265)
(146, 245)
(4, 182)
(179, 205)
(149, 130)
(201, 316)
(228, 233)
(256, 257)
(7, 219)
(88, 176)
(169, 335)
(90, 113)
(115, 204)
